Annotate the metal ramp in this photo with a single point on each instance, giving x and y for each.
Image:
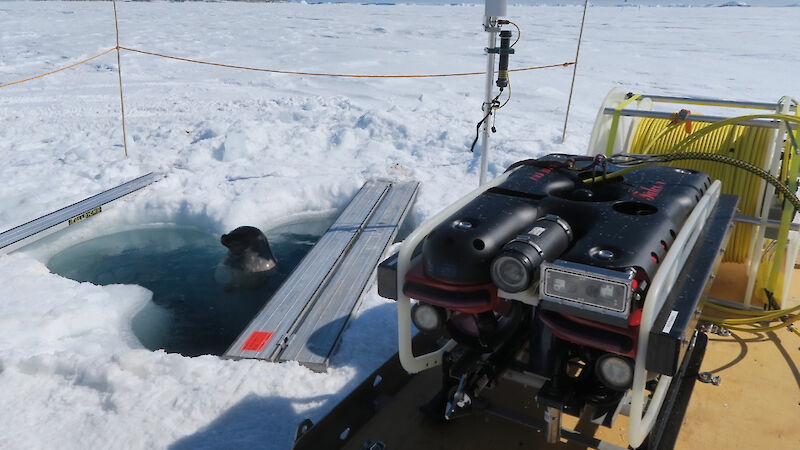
(306, 316)
(36, 229)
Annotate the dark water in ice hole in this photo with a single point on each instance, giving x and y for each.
(190, 313)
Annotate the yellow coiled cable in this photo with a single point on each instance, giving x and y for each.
(736, 146)
(750, 144)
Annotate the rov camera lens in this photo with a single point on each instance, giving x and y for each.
(515, 268)
(511, 273)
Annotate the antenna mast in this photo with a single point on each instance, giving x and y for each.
(494, 10)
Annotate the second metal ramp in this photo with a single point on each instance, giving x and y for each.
(36, 229)
(306, 316)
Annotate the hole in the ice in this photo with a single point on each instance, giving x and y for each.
(191, 313)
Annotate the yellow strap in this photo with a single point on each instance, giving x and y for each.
(612, 133)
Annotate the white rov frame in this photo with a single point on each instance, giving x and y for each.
(411, 363)
(631, 116)
(640, 422)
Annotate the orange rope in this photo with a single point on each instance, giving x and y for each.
(231, 66)
(59, 70)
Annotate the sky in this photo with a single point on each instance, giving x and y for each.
(625, 3)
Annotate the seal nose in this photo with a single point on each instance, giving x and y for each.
(224, 240)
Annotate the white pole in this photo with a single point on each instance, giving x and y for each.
(493, 10)
(491, 27)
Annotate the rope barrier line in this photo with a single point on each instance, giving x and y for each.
(336, 75)
(83, 61)
(258, 69)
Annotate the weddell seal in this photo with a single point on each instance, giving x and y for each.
(249, 260)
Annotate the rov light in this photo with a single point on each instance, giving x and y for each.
(614, 371)
(428, 318)
(587, 291)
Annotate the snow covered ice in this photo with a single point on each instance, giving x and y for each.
(252, 148)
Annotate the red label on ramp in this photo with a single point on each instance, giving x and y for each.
(257, 341)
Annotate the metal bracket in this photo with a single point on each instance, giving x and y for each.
(715, 329)
(284, 341)
(500, 51)
(708, 377)
(552, 420)
(460, 400)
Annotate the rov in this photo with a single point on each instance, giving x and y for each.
(556, 259)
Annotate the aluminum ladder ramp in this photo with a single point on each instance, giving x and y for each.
(36, 229)
(307, 314)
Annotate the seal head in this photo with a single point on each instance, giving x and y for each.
(249, 260)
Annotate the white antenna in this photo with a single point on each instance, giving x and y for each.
(495, 9)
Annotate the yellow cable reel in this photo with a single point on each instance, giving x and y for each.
(654, 136)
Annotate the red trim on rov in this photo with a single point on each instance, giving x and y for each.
(622, 341)
(470, 299)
